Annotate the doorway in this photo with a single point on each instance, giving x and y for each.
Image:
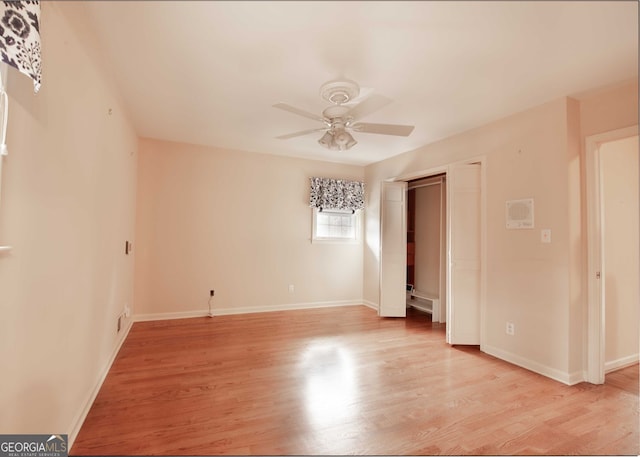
(426, 245)
(465, 272)
(613, 252)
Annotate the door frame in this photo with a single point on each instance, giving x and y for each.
(425, 173)
(595, 344)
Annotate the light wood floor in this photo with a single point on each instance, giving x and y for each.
(341, 381)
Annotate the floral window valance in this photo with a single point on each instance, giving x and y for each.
(20, 38)
(337, 194)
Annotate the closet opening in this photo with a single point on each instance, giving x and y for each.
(426, 246)
(459, 299)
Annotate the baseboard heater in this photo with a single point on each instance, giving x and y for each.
(420, 300)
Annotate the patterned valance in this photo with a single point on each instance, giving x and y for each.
(20, 38)
(336, 194)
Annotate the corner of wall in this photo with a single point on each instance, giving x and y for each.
(577, 240)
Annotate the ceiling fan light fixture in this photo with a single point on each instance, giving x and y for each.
(326, 140)
(344, 140)
(351, 142)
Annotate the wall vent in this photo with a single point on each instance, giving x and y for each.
(520, 214)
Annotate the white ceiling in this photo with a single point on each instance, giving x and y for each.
(208, 73)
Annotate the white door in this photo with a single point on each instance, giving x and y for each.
(463, 278)
(393, 250)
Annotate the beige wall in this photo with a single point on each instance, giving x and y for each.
(68, 205)
(527, 282)
(619, 168)
(427, 238)
(205, 221)
(607, 109)
(539, 287)
(239, 223)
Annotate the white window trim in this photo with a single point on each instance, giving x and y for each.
(330, 240)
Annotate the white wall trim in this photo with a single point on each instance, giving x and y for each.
(167, 316)
(78, 421)
(623, 362)
(246, 310)
(370, 304)
(577, 377)
(553, 373)
(284, 307)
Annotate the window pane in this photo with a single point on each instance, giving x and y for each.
(322, 230)
(336, 225)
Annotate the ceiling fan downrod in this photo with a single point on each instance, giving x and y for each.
(339, 91)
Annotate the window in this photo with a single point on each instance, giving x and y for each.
(335, 226)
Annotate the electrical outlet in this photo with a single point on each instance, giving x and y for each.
(511, 328)
(127, 310)
(545, 235)
(212, 293)
(291, 288)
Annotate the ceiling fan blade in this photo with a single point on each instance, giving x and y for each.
(303, 132)
(299, 112)
(372, 103)
(383, 129)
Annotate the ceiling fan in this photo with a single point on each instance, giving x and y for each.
(341, 117)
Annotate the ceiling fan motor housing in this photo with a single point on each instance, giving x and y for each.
(337, 114)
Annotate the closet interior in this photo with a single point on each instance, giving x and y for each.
(426, 245)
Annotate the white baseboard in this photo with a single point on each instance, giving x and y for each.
(577, 377)
(623, 362)
(284, 307)
(88, 403)
(370, 304)
(167, 316)
(246, 310)
(553, 373)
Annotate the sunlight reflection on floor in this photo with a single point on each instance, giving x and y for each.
(330, 391)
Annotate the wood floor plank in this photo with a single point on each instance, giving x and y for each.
(341, 381)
